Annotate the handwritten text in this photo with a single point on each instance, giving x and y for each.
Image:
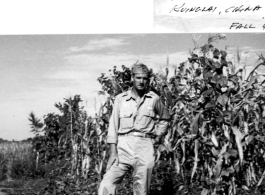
(237, 25)
(212, 9)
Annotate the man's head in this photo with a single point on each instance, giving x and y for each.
(140, 76)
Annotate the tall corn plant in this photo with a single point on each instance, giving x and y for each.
(217, 122)
(36, 128)
(74, 137)
(72, 129)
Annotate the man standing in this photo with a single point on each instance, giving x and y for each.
(132, 124)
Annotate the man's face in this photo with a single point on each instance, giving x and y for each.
(140, 81)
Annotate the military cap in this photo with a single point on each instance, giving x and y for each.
(140, 68)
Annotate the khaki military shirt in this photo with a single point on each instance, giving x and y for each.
(148, 115)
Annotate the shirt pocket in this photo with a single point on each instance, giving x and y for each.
(126, 119)
(148, 113)
(147, 118)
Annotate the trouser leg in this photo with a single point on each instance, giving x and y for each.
(112, 178)
(143, 167)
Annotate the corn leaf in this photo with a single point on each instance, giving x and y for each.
(196, 158)
(238, 137)
(214, 139)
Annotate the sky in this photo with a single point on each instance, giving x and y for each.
(37, 71)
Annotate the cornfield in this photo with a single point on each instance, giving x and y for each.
(10, 154)
(215, 139)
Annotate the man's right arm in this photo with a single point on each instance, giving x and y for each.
(113, 155)
(112, 137)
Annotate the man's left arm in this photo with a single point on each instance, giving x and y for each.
(164, 118)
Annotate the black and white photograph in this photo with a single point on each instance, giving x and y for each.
(115, 104)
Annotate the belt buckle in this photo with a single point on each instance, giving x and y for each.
(138, 134)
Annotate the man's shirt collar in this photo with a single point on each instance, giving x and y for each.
(132, 94)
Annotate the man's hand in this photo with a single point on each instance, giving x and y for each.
(113, 158)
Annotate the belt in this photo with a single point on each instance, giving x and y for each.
(136, 133)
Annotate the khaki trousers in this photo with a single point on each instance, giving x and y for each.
(134, 152)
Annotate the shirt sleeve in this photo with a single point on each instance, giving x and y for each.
(164, 117)
(112, 137)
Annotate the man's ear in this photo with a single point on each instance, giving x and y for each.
(132, 78)
(148, 82)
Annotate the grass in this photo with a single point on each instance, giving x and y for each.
(14, 156)
(17, 168)
(22, 186)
